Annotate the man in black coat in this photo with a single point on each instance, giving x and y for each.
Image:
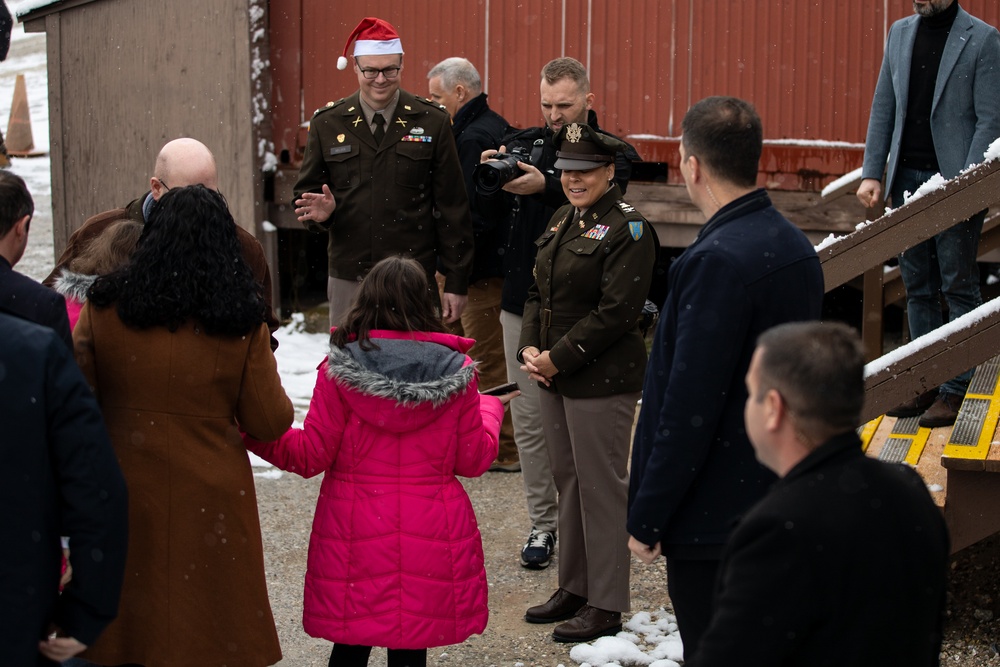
(693, 469)
(19, 294)
(845, 561)
(64, 481)
(454, 83)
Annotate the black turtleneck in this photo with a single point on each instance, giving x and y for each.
(917, 145)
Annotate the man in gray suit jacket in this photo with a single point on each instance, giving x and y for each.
(936, 110)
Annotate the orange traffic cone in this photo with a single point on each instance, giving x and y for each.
(20, 142)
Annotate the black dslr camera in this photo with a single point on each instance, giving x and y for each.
(499, 170)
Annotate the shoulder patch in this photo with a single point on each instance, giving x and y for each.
(635, 229)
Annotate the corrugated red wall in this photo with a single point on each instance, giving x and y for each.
(809, 66)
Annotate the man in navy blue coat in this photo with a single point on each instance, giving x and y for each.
(793, 589)
(19, 294)
(63, 480)
(693, 469)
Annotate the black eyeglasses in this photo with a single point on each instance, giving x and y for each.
(387, 72)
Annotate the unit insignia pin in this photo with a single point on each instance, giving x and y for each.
(341, 137)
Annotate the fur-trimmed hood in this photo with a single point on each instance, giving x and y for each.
(413, 370)
(73, 285)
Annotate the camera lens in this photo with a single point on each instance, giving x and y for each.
(490, 180)
(489, 177)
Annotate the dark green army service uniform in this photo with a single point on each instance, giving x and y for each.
(404, 196)
(592, 276)
(590, 285)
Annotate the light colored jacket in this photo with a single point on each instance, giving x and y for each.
(395, 555)
(965, 112)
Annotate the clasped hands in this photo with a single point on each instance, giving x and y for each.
(538, 365)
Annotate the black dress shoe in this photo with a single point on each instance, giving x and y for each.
(944, 412)
(589, 624)
(915, 406)
(561, 605)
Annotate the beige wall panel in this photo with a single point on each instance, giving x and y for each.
(135, 74)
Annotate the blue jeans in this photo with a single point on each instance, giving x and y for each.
(944, 265)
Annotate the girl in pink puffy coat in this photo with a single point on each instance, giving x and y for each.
(395, 555)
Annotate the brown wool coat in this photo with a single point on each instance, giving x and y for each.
(194, 591)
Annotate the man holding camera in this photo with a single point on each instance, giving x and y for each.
(526, 204)
(379, 176)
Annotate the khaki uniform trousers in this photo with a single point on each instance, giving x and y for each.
(536, 466)
(588, 441)
(340, 294)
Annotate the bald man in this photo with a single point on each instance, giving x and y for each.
(181, 162)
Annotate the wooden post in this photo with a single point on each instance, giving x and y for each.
(872, 309)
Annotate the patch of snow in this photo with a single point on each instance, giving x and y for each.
(934, 183)
(647, 640)
(993, 152)
(841, 182)
(828, 241)
(885, 362)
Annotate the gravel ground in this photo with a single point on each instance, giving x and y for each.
(971, 633)
(286, 504)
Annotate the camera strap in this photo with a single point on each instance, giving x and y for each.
(536, 151)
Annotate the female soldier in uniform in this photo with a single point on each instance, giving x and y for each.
(581, 341)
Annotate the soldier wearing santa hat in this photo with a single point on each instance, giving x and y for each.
(381, 176)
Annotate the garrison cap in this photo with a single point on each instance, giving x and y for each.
(580, 147)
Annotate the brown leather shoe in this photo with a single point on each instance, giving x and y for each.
(914, 407)
(943, 412)
(561, 605)
(588, 624)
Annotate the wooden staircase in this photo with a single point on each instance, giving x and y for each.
(959, 463)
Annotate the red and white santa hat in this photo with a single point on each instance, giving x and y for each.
(375, 37)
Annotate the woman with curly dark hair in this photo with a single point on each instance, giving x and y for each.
(176, 348)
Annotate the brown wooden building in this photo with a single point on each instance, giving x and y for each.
(126, 76)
